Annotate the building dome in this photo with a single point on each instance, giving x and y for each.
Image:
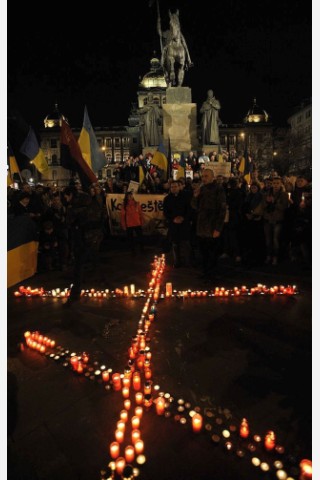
(54, 119)
(256, 114)
(154, 78)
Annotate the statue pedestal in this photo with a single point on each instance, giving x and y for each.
(210, 149)
(180, 120)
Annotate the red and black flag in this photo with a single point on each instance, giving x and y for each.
(71, 157)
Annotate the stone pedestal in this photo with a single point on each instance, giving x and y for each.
(180, 120)
(210, 149)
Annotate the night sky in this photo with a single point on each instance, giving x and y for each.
(238, 50)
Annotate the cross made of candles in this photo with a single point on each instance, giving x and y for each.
(139, 393)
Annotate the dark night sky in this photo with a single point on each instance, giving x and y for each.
(238, 50)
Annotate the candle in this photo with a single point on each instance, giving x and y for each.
(138, 411)
(119, 434)
(244, 428)
(127, 404)
(147, 387)
(74, 362)
(116, 380)
(124, 415)
(129, 453)
(121, 425)
(132, 289)
(125, 392)
(136, 381)
(114, 449)
(168, 289)
(270, 440)
(305, 469)
(196, 422)
(139, 398)
(139, 446)
(160, 405)
(85, 357)
(105, 375)
(135, 435)
(120, 464)
(135, 422)
(126, 381)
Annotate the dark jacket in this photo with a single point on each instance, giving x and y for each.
(211, 208)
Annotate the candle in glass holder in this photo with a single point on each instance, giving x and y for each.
(196, 422)
(121, 425)
(127, 404)
(139, 398)
(124, 415)
(126, 381)
(105, 375)
(126, 392)
(305, 469)
(120, 464)
(138, 411)
(135, 422)
(114, 449)
(119, 434)
(129, 453)
(139, 446)
(116, 380)
(168, 289)
(244, 428)
(74, 362)
(135, 435)
(147, 387)
(160, 405)
(270, 440)
(136, 381)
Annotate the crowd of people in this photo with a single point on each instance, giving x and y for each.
(207, 217)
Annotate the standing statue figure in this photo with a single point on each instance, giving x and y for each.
(150, 122)
(210, 120)
(175, 57)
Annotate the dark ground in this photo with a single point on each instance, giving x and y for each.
(235, 357)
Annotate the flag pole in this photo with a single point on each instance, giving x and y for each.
(159, 26)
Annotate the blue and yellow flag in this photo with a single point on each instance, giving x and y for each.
(31, 149)
(89, 145)
(245, 167)
(160, 159)
(12, 166)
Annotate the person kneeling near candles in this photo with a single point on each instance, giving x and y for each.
(132, 221)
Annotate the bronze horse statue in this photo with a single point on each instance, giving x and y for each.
(175, 58)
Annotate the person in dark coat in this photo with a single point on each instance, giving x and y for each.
(78, 204)
(210, 203)
(177, 211)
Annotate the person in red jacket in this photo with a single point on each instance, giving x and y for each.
(132, 221)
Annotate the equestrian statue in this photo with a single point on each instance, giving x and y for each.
(175, 57)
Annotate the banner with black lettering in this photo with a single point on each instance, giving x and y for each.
(151, 206)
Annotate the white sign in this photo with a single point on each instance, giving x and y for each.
(133, 186)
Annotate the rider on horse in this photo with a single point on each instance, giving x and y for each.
(175, 53)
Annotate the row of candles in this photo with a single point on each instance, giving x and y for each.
(139, 368)
(130, 291)
(122, 382)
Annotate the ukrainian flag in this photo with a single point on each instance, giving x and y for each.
(245, 167)
(31, 149)
(89, 145)
(12, 166)
(160, 160)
